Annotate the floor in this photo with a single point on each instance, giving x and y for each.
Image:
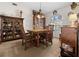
(15, 49)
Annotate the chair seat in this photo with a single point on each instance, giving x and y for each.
(27, 41)
(46, 37)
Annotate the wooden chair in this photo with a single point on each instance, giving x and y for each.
(47, 36)
(49, 33)
(26, 40)
(32, 37)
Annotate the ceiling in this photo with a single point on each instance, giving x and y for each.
(45, 6)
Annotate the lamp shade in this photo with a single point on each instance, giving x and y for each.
(40, 15)
(72, 16)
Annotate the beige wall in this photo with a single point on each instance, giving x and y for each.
(64, 12)
(10, 10)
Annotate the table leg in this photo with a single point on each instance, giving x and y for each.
(46, 40)
(37, 40)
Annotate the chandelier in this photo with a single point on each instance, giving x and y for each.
(40, 14)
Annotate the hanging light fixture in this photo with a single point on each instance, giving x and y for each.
(72, 18)
(40, 14)
(73, 15)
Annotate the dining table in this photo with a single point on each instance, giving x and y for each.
(37, 32)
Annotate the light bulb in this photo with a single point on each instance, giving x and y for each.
(38, 16)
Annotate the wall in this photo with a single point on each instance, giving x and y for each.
(65, 20)
(64, 12)
(10, 10)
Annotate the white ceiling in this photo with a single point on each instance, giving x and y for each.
(45, 6)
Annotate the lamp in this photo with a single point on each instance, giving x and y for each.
(72, 18)
(40, 14)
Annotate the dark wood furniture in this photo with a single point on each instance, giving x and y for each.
(40, 31)
(37, 36)
(11, 28)
(49, 33)
(27, 40)
(69, 41)
(0, 37)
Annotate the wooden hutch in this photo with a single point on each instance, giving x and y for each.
(69, 38)
(38, 23)
(10, 28)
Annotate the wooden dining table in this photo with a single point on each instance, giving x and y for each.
(37, 32)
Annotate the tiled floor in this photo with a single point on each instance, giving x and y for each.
(15, 49)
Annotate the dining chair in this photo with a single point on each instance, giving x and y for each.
(27, 40)
(32, 37)
(47, 36)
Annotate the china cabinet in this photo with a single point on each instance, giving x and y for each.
(10, 28)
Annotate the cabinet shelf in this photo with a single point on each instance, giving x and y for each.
(10, 28)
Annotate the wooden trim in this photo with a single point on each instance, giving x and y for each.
(12, 17)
